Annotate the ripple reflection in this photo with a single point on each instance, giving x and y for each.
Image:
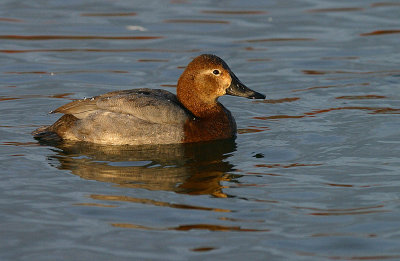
(338, 9)
(228, 12)
(195, 169)
(75, 37)
(109, 14)
(208, 227)
(154, 203)
(380, 32)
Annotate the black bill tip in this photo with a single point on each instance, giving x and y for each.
(256, 95)
(237, 88)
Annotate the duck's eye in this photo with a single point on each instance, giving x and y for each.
(216, 72)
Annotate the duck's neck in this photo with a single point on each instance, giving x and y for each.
(204, 110)
(212, 122)
(200, 107)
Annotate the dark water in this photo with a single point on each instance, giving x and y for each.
(313, 175)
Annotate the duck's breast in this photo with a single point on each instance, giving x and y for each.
(219, 124)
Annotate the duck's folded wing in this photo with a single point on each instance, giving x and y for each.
(153, 105)
(79, 108)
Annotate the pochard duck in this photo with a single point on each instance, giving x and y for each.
(155, 116)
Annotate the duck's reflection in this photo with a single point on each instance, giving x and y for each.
(183, 168)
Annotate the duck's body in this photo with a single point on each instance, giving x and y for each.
(153, 116)
(140, 116)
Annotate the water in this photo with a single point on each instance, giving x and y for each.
(312, 175)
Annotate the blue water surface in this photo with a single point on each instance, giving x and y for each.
(314, 173)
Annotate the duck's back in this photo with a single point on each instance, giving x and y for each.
(140, 116)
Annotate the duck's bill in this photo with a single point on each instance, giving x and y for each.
(237, 88)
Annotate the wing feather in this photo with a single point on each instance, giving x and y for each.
(153, 105)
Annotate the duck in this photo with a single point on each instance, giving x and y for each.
(147, 116)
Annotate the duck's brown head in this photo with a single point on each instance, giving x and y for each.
(205, 79)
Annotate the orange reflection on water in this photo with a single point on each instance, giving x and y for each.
(202, 249)
(293, 165)
(291, 99)
(193, 21)
(341, 58)
(144, 50)
(254, 49)
(320, 72)
(337, 109)
(259, 60)
(344, 211)
(241, 220)
(134, 226)
(277, 117)
(75, 37)
(361, 97)
(252, 129)
(68, 72)
(12, 20)
(339, 185)
(380, 32)
(264, 174)
(385, 4)
(374, 110)
(168, 85)
(22, 126)
(152, 60)
(24, 144)
(370, 257)
(154, 202)
(208, 227)
(341, 235)
(347, 185)
(277, 40)
(340, 9)
(109, 14)
(381, 257)
(386, 111)
(338, 213)
(226, 12)
(58, 96)
(95, 205)
(179, 1)
(32, 72)
(313, 72)
(331, 86)
(4, 98)
(243, 131)
(61, 95)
